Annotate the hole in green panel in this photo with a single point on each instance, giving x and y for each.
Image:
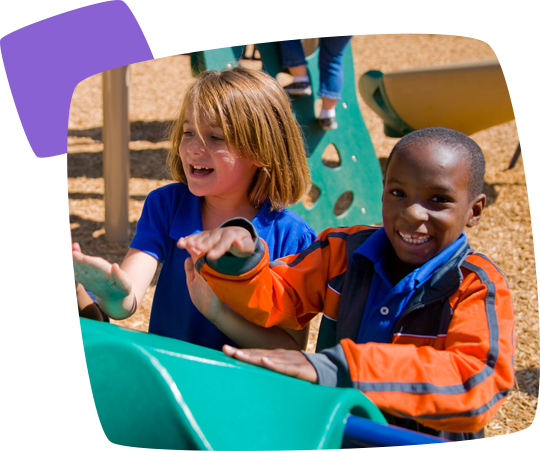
(331, 157)
(343, 203)
(311, 197)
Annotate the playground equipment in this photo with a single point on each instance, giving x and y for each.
(157, 392)
(466, 97)
(358, 174)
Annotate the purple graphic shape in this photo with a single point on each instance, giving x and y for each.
(50, 47)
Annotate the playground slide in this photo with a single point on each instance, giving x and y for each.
(467, 97)
(156, 392)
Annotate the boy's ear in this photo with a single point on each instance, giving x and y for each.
(477, 206)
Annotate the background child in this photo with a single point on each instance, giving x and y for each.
(412, 317)
(236, 150)
(331, 51)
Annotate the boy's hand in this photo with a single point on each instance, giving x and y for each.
(217, 242)
(290, 363)
(106, 281)
(201, 294)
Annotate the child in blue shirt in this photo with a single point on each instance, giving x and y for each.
(236, 151)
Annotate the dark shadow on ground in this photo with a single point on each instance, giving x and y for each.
(491, 193)
(527, 381)
(145, 164)
(154, 131)
(84, 196)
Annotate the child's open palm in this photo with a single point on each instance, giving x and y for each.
(106, 281)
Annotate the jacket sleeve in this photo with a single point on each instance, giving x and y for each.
(287, 292)
(455, 389)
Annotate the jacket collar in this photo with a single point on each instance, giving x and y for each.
(445, 280)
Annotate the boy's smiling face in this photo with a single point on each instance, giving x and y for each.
(426, 200)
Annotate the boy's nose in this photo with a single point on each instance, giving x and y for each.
(415, 213)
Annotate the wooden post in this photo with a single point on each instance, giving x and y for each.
(116, 169)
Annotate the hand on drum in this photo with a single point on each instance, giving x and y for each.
(217, 242)
(290, 363)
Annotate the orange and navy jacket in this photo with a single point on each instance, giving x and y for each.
(450, 363)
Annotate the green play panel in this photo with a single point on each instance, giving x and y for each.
(157, 392)
(356, 180)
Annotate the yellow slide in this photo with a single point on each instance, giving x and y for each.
(467, 97)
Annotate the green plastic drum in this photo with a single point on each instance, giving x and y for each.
(157, 392)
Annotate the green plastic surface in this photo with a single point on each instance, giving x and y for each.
(157, 392)
(359, 171)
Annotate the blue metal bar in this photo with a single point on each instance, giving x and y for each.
(362, 433)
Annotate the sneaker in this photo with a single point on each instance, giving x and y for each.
(328, 123)
(299, 88)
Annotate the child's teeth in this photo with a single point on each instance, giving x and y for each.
(413, 240)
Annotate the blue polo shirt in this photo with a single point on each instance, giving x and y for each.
(172, 212)
(386, 302)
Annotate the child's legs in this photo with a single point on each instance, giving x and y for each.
(331, 52)
(292, 54)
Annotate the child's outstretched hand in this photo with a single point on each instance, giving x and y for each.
(106, 281)
(290, 363)
(217, 242)
(201, 294)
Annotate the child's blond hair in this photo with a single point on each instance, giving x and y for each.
(256, 117)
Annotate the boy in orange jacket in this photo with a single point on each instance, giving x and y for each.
(412, 317)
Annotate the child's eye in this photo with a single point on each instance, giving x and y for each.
(440, 199)
(397, 193)
(188, 134)
(217, 138)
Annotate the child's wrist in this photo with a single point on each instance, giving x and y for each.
(220, 315)
(118, 307)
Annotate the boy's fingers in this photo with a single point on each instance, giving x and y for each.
(290, 363)
(245, 247)
(76, 247)
(219, 241)
(229, 350)
(237, 241)
(219, 249)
